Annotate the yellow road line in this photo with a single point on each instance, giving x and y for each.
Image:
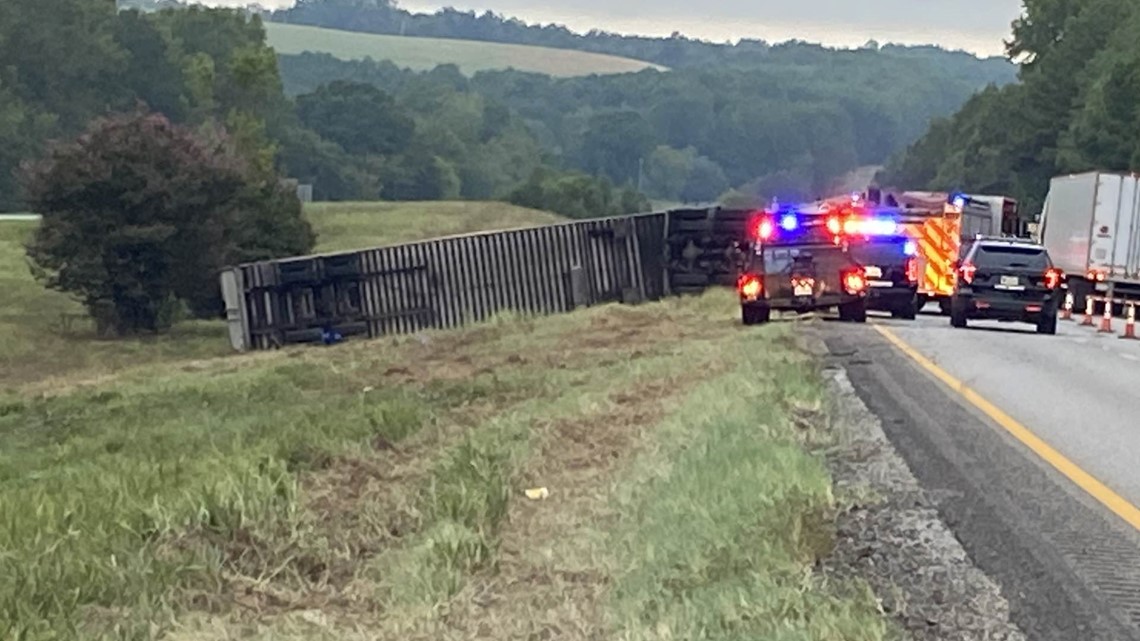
(1101, 492)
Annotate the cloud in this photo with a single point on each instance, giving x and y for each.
(976, 25)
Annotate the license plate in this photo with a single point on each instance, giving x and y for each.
(802, 289)
(874, 272)
(1010, 282)
(880, 283)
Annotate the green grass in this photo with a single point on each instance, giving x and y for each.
(342, 226)
(426, 53)
(45, 334)
(46, 341)
(386, 477)
(728, 513)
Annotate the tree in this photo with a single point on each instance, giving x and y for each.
(577, 195)
(615, 143)
(139, 213)
(360, 118)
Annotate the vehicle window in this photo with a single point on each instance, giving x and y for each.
(777, 260)
(878, 253)
(999, 257)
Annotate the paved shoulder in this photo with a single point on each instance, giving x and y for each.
(1069, 568)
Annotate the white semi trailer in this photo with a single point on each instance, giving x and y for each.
(1090, 223)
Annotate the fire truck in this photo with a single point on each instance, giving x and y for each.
(939, 222)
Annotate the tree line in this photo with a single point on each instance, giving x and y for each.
(1073, 109)
(784, 129)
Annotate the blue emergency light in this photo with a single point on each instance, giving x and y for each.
(789, 222)
(910, 248)
(880, 227)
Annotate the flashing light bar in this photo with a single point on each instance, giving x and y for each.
(769, 225)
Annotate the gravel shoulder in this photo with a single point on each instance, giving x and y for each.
(891, 536)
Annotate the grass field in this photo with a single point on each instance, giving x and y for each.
(376, 490)
(47, 342)
(427, 53)
(342, 226)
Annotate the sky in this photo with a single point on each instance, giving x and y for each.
(978, 26)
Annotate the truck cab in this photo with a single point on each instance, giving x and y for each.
(802, 263)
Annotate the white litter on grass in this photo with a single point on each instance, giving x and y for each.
(538, 494)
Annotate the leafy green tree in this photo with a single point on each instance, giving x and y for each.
(360, 118)
(615, 144)
(667, 171)
(139, 213)
(705, 182)
(577, 195)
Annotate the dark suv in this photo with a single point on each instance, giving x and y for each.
(1007, 279)
(892, 274)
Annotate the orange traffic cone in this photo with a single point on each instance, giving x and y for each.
(1088, 321)
(1130, 322)
(1067, 309)
(1106, 320)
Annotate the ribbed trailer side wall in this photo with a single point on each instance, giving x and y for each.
(446, 282)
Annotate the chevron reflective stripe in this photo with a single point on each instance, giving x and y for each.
(938, 242)
(941, 237)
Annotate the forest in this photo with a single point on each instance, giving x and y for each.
(1074, 108)
(784, 120)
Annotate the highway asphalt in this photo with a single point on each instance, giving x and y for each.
(1068, 563)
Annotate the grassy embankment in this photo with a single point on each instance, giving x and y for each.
(470, 56)
(46, 340)
(375, 490)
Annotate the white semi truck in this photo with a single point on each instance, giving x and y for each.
(1090, 223)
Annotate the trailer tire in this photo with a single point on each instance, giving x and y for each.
(690, 279)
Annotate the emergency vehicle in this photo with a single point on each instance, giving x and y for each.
(802, 261)
(943, 224)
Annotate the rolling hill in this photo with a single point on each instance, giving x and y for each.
(427, 53)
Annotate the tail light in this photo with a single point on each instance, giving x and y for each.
(1097, 275)
(750, 287)
(967, 272)
(854, 281)
(912, 270)
(1053, 278)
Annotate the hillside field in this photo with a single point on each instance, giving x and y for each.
(46, 341)
(427, 53)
